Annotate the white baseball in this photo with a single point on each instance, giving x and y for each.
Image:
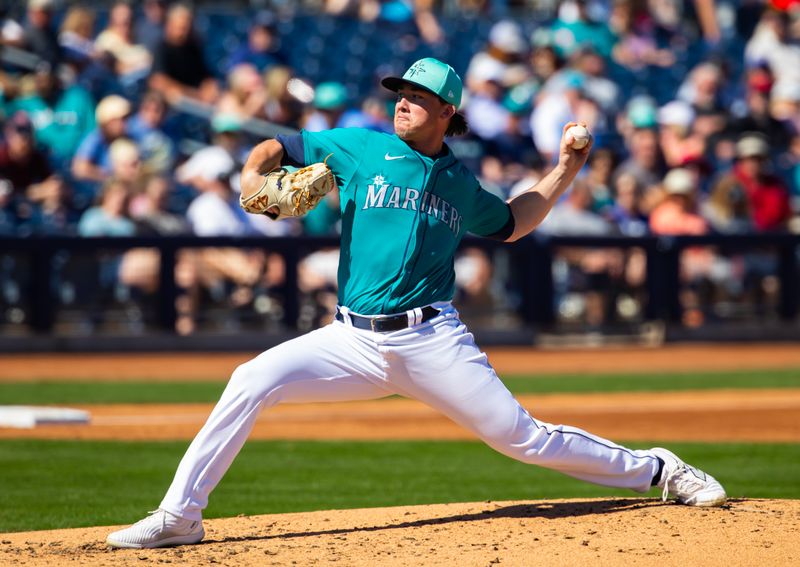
(580, 136)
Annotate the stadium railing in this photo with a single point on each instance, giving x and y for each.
(532, 261)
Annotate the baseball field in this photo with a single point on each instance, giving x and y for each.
(391, 482)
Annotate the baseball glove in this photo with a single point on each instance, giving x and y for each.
(291, 194)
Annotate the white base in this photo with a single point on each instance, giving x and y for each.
(28, 417)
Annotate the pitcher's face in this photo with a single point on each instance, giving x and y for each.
(419, 114)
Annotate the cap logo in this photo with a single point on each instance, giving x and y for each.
(450, 94)
(416, 69)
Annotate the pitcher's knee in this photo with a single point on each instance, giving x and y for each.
(254, 380)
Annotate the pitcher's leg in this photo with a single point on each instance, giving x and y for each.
(320, 366)
(448, 372)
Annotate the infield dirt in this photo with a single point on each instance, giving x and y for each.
(599, 533)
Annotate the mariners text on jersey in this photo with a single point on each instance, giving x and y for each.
(403, 215)
(379, 194)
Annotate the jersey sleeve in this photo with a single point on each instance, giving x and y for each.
(345, 146)
(491, 216)
(293, 152)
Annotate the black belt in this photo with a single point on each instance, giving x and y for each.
(386, 323)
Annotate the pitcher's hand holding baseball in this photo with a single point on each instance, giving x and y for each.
(576, 143)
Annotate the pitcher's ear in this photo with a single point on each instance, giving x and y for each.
(448, 111)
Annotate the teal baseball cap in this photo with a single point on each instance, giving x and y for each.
(431, 75)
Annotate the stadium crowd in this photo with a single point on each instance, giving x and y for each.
(695, 107)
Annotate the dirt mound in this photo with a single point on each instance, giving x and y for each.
(634, 531)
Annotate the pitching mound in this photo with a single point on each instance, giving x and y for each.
(632, 531)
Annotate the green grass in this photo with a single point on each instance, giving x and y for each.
(56, 484)
(653, 382)
(40, 393)
(60, 392)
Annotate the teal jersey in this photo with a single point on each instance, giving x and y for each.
(403, 216)
(60, 127)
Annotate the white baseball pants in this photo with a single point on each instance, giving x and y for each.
(437, 363)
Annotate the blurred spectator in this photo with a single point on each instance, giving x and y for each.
(601, 165)
(372, 114)
(771, 44)
(639, 113)
(555, 107)
(785, 105)
(427, 24)
(20, 162)
(492, 174)
(149, 27)
(150, 210)
(62, 115)
(246, 95)
(140, 267)
(573, 215)
(216, 212)
(727, 209)
(595, 79)
(588, 272)
(131, 61)
(645, 161)
(317, 280)
(8, 214)
(330, 103)
(126, 164)
(179, 66)
(544, 63)
(636, 46)
(679, 143)
(574, 29)
(756, 116)
(702, 88)
(501, 60)
(40, 36)
(749, 195)
(76, 36)
(473, 269)
(282, 107)
(110, 216)
(261, 49)
(53, 215)
(223, 157)
(677, 213)
(153, 133)
(92, 160)
(31, 188)
(704, 91)
(416, 16)
(11, 32)
(484, 111)
(628, 211)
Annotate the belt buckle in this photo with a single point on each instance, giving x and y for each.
(372, 324)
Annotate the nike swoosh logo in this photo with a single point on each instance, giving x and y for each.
(387, 157)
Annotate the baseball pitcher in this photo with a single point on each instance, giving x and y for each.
(406, 202)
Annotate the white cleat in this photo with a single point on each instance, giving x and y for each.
(159, 529)
(687, 484)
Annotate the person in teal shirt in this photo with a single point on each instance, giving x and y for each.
(406, 203)
(567, 35)
(62, 116)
